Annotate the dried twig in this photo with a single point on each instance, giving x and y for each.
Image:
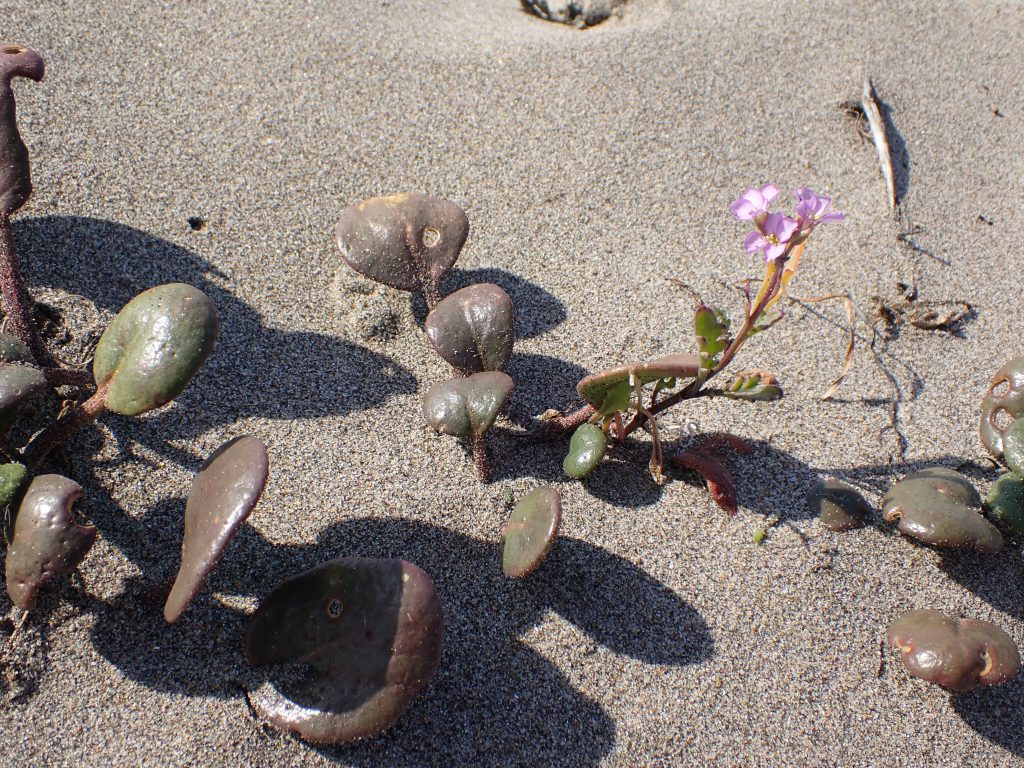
(850, 341)
(877, 126)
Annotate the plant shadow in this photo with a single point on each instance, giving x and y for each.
(256, 370)
(484, 705)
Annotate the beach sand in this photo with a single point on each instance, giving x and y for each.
(594, 165)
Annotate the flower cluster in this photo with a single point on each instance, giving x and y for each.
(777, 234)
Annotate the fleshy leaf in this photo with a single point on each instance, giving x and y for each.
(938, 506)
(403, 240)
(616, 398)
(712, 329)
(706, 457)
(362, 637)
(595, 388)
(47, 541)
(958, 655)
(15, 172)
(586, 449)
(13, 479)
(753, 385)
(530, 532)
(1005, 502)
(224, 492)
(472, 328)
(18, 383)
(1000, 408)
(154, 346)
(1013, 446)
(466, 407)
(839, 507)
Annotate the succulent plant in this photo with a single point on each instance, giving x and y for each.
(959, 655)
(472, 328)
(20, 380)
(367, 634)
(530, 531)
(1003, 404)
(466, 408)
(939, 506)
(13, 478)
(610, 390)
(408, 241)
(225, 490)
(153, 347)
(586, 449)
(1005, 502)
(47, 541)
(839, 507)
(707, 457)
(1013, 446)
(15, 176)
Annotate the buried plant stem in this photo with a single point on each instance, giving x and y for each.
(17, 302)
(480, 459)
(59, 431)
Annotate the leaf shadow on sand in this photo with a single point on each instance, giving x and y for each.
(494, 699)
(255, 370)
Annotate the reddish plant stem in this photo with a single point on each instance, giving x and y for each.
(480, 460)
(17, 302)
(60, 430)
(696, 387)
(559, 424)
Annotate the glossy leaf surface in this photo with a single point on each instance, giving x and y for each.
(361, 637)
(530, 532)
(466, 407)
(472, 329)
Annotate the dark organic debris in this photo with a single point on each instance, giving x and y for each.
(706, 456)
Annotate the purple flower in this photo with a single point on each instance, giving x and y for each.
(810, 209)
(753, 203)
(775, 231)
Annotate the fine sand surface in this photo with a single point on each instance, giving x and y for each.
(593, 164)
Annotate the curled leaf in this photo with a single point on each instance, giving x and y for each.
(47, 541)
(706, 457)
(959, 655)
(586, 449)
(224, 492)
(154, 346)
(15, 174)
(362, 637)
(939, 506)
(1013, 446)
(1003, 404)
(407, 241)
(598, 388)
(466, 407)
(530, 532)
(472, 328)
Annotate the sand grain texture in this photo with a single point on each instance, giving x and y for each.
(592, 164)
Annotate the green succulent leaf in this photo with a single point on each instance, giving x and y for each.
(466, 407)
(1013, 446)
(616, 398)
(712, 329)
(472, 328)
(154, 346)
(753, 385)
(13, 478)
(1005, 502)
(586, 449)
(530, 531)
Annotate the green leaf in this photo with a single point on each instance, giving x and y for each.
(616, 398)
(586, 449)
(154, 346)
(712, 329)
(753, 385)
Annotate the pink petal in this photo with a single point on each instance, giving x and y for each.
(743, 209)
(769, 192)
(754, 242)
(834, 216)
(773, 252)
